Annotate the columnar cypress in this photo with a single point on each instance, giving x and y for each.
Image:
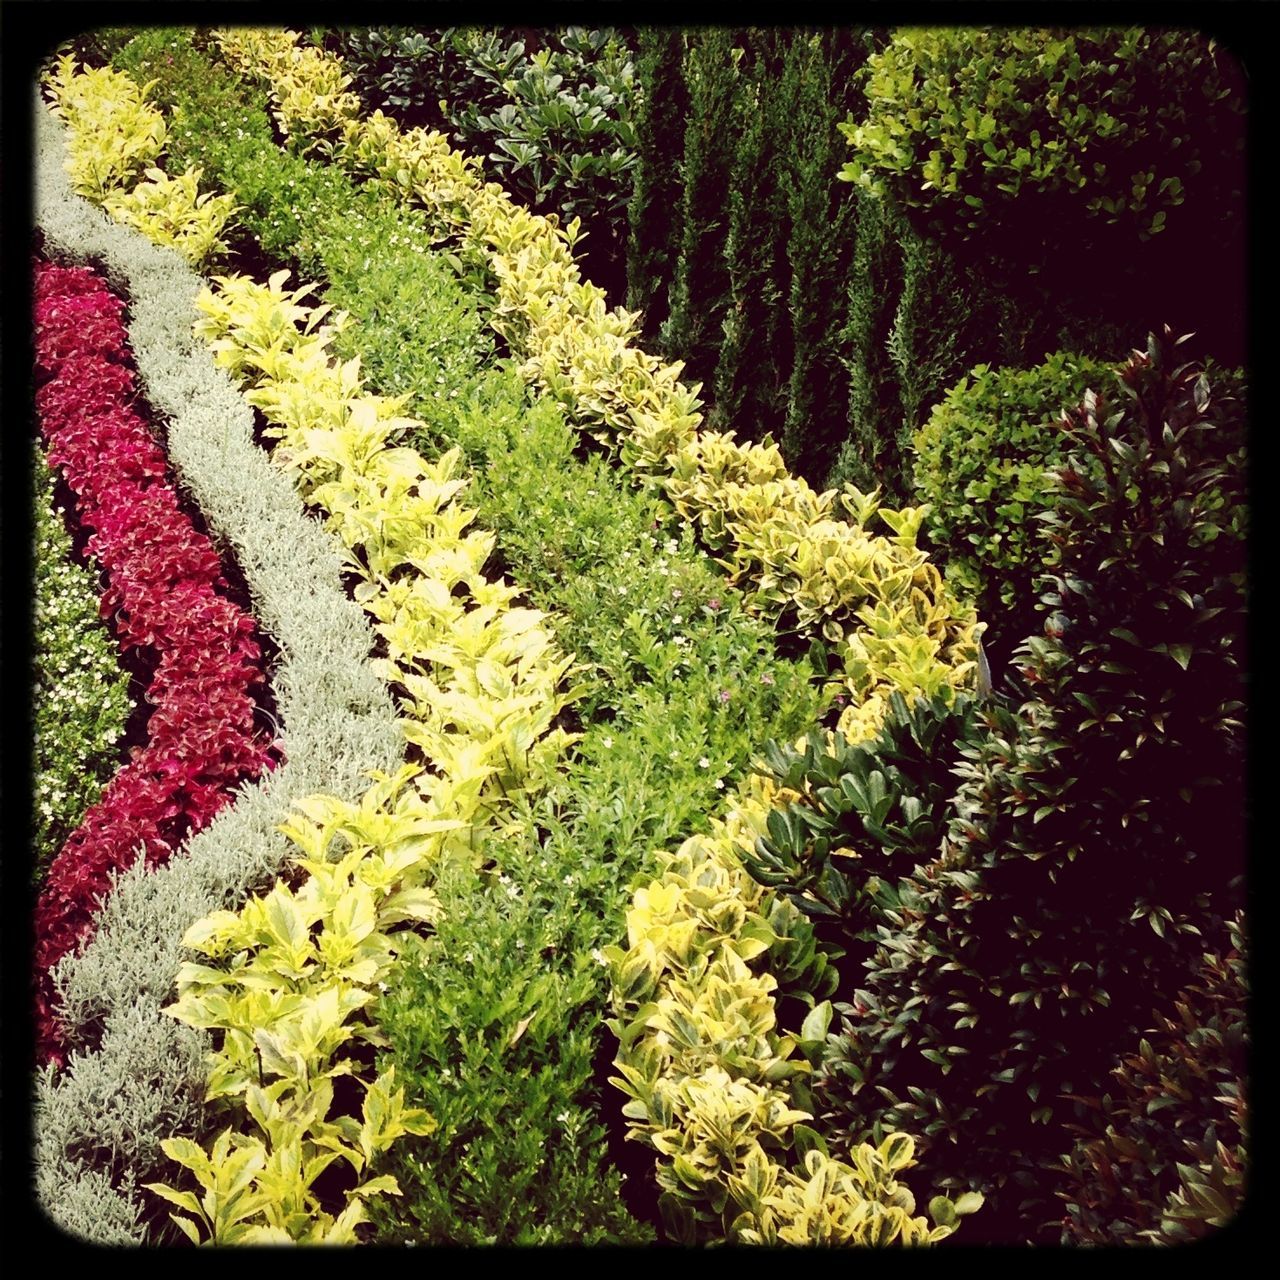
(819, 89)
(657, 199)
(694, 330)
(868, 455)
(752, 372)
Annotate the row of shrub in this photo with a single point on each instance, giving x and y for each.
(1031, 444)
(349, 469)
(307, 89)
(715, 617)
(889, 918)
(133, 1075)
(165, 590)
(1006, 941)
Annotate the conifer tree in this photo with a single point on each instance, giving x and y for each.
(754, 366)
(656, 203)
(820, 89)
(694, 330)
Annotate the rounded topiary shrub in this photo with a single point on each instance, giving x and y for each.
(963, 123)
(981, 463)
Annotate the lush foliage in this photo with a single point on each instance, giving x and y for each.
(80, 695)
(653, 216)
(975, 879)
(1162, 1156)
(115, 134)
(172, 211)
(713, 1084)
(962, 121)
(799, 557)
(285, 981)
(1098, 827)
(166, 594)
(864, 816)
(551, 110)
(981, 463)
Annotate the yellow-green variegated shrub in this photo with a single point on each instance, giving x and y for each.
(481, 679)
(287, 984)
(113, 134)
(173, 212)
(292, 977)
(114, 139)
(777, 537)
(707, 1071)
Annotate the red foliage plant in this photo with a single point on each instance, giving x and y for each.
(165, 593)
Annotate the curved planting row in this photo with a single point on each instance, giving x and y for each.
(80, 697)
(481, 683)
(883, 609)
(138, 1075)
(844, 1195)
(692, 687)
(780, 535)
(166, 592)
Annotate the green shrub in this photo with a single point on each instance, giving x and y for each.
(221, 124)
(1162, 1156)
(751, 370)
(868, 814)
(870, 452)
(981, 463)
(694, 329)
(964, 124)
(680, 685)
(919, 315)
(1098, 828)
(820, 85)
(552, 111)
(80, 695)
(654, 213)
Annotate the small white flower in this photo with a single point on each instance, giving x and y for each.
(704, 763)
(719, 784)
(606, 743)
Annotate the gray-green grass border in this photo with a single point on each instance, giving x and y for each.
(98, 1123)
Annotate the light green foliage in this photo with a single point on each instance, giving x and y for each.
(714, 1085)
(79, 699)
(114, 133)
(962, 121)
(664, 642)
(216, 124)
(171, 211)
(981, 463)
